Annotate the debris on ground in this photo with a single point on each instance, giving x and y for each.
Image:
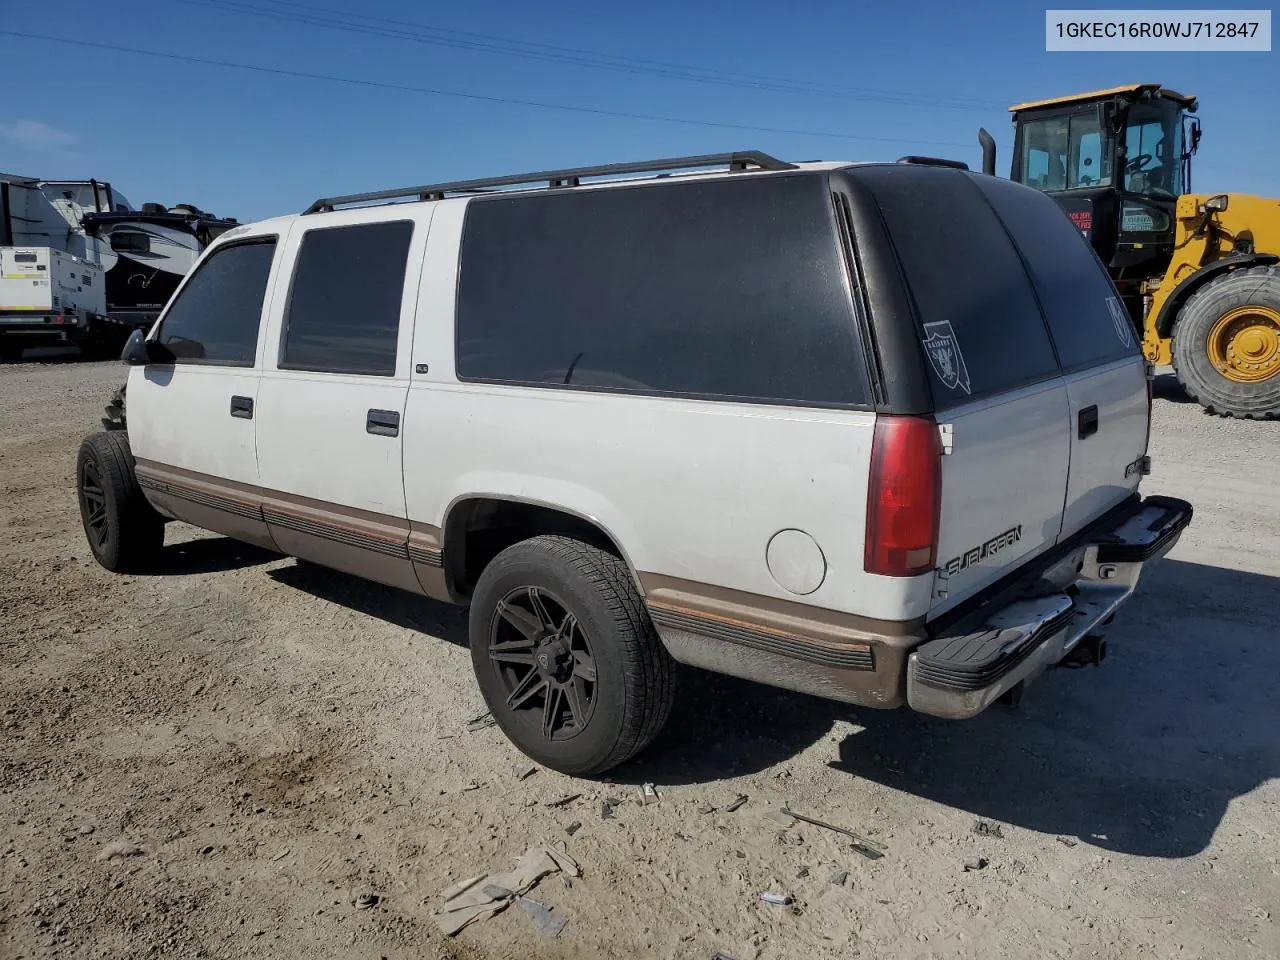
(977, 863)
(985, 828)
(706, 808)
(868, 848)
(777, 899)
(481, 722)
(120, 850)
(607, 806)
(722, 956)
(280, 856)
(523, 771)
(802, 873)
(544, 916)
(573, 828)
(840, 878)
(366, 899)
(470, 785)
(564, 801)
(1067, 841)
(735, 803)
(648, 795)
(780, 817)
(481, 897)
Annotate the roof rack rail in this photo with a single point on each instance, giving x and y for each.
(934, 162)
(557, 179)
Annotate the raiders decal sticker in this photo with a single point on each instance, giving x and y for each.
(944, 353)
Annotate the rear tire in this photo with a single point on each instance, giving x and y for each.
(566, 657)
(125, 533)
(1198, 329)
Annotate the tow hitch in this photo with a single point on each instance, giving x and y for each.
(1090, 651)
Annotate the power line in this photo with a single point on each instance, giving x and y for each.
(343, 21)
(405, 88)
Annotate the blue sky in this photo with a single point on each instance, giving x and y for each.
(252, 145)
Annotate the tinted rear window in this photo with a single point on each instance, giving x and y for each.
(717, 288)
(977, 315)
(344, 305)
(1087, 321)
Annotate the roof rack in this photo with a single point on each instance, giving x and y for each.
(934, 162)
(558, 179)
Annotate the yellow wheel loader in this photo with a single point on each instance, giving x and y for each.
(1198, 273)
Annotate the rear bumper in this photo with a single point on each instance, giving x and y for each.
(39, 328)
(955, 670)
(974, 662)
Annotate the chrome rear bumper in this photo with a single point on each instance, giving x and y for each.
(960, 673)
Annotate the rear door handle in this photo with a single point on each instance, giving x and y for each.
(1088, 421)
(383, 423)
(242, 407)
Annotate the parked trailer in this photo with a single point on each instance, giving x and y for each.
(49, 298)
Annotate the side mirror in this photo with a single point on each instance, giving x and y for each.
(139, 351)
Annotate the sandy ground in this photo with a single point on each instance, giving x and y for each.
(275, 740)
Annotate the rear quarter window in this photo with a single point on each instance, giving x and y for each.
(1089, 324)
(715, 289)
(976, 314)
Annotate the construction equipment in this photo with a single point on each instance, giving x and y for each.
(1197, 273)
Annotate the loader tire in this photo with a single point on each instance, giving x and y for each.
(1226, 345)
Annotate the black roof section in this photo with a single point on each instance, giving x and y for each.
(558, 179)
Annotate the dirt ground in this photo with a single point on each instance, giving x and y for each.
(218, 761)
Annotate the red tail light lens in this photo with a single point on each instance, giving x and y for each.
(904, 498)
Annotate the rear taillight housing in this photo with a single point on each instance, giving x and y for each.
(904, 497)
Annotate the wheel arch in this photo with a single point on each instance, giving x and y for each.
(478, 526)
(1174, 303)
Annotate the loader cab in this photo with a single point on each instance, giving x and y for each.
(1116, 161)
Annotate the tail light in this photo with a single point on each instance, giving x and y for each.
(904, 498)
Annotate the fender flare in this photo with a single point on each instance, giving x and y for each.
(1182, 292)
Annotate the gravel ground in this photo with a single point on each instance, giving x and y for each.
(219, 761)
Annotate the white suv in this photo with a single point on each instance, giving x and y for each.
(869, 431)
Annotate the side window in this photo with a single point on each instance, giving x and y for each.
(130, 241)
(1087, 321)
(343, 314)
(730, 289)
(977, 317)
(216, 316)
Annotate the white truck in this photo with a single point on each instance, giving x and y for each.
(47, 298)
(866, 431)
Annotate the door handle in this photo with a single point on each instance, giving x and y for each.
(383, 423)
(1088, 421)
(242, 407)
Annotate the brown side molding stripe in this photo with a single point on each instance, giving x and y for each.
(210, 500)
(390, 548)
(851, 658)
(431, 556)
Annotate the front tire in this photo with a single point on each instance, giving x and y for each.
(566, 656)
(125, 533)
(1226, 344)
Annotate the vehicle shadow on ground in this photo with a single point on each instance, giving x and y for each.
(1141, 755)
(1166, 387)
(398, 607)
(209, 555)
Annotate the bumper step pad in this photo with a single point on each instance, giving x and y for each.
(1146, 533)
(978, 658)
